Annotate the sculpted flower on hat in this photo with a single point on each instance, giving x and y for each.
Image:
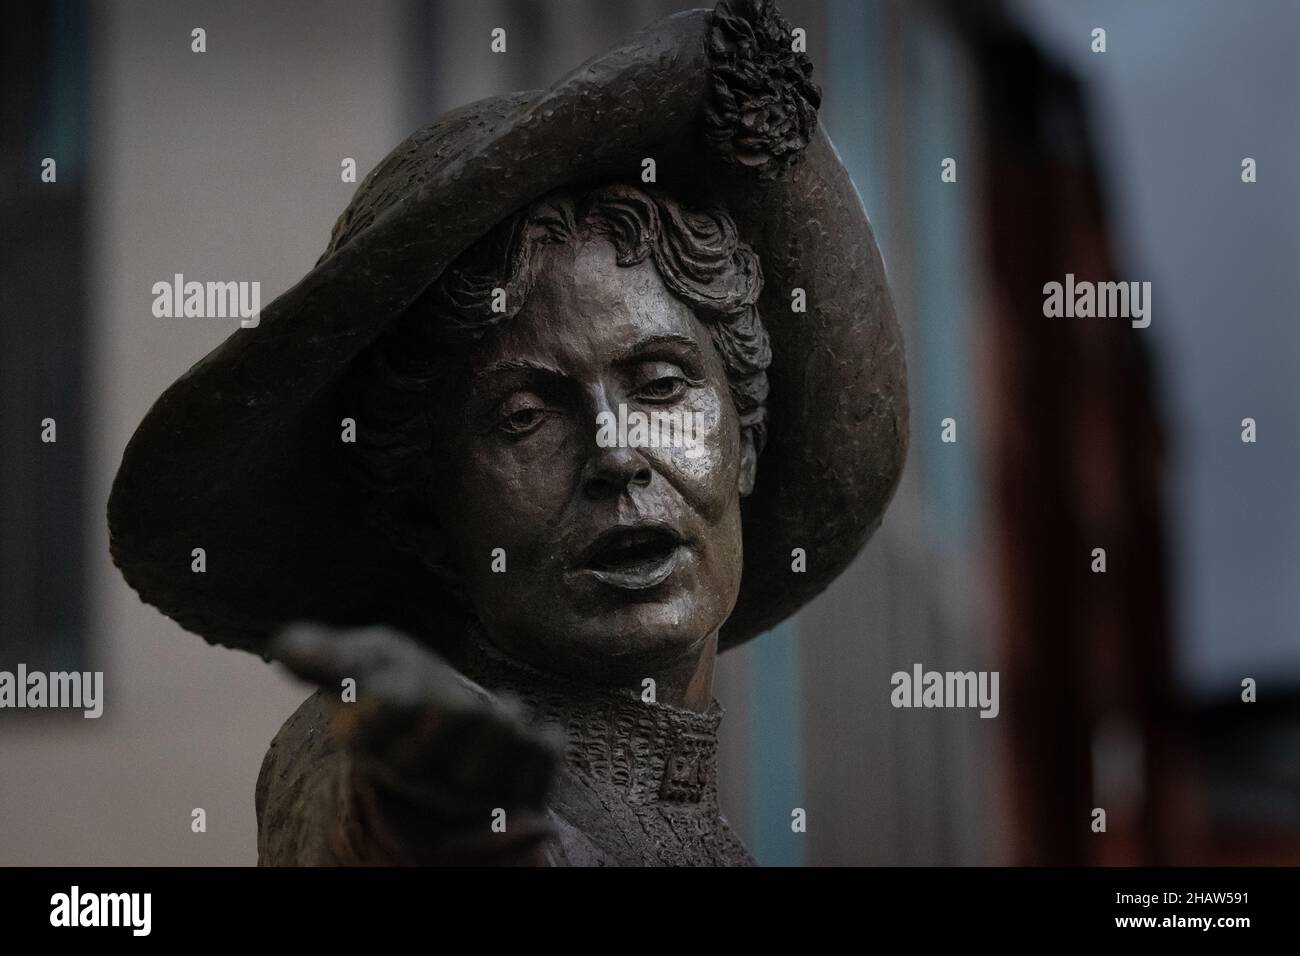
(763, 107)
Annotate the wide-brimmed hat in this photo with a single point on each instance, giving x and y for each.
(242, 455)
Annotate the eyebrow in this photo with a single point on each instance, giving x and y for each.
(636, 350)
(517, 365)
(632, 354)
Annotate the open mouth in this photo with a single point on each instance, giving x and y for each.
(634, 557)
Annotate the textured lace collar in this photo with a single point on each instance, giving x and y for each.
(648, 752)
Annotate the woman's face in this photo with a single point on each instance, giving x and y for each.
(590, 550)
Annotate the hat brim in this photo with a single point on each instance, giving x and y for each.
(242, 455)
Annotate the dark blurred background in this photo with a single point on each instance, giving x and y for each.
(1119, 690)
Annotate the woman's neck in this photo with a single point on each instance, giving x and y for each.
(685, 682)
(688, 682)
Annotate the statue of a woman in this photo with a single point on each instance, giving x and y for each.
(500, 446)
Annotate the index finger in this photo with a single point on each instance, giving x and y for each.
(324, 655)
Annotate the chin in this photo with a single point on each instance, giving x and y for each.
(636, 638)
(595, 632)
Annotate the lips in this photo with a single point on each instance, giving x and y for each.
(635, 556)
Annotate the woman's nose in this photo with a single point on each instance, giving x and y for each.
(611, 471)
(612, 466)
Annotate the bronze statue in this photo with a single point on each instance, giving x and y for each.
(500, 445)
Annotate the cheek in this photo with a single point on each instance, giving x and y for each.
(510, 496)
(707, 468)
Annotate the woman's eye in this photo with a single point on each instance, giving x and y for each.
(666, 389)
(521, 422)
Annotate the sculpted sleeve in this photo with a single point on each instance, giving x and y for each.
(314, 809)
(307, 811)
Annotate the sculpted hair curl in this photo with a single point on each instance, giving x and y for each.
(407, 387)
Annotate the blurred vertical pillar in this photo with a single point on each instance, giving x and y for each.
(1076, 453)
(42, 334)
